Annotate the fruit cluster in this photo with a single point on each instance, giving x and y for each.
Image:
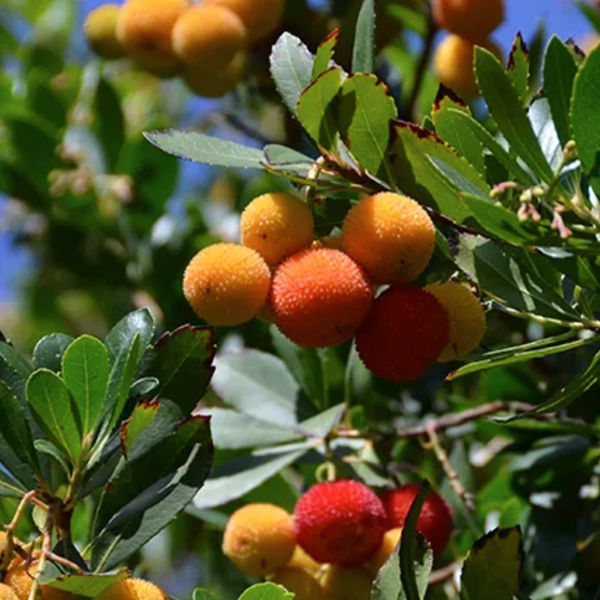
(207, 44)
(470, 23)
(340, 535)
(322, 292)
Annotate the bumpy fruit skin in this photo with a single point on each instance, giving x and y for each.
(346, 583)
(300, 582)
(6, 593)
(340, 522)
(208, 34)
(144, 29)
(301, 560)
(453, 64)
(471, 19)
(388, 545)
(226, 284)
(435, 521)
(100, 30)
(259, 539)
(261, 17)
(320, 297)
(465, 315)
(277, 225)
(404, 334)
(133, 589)
(19, 577)
(390, 236)
(207, 82)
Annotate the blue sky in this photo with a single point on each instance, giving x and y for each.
(561, 17)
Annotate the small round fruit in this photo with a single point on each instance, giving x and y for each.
(465, 316)
(208, 34)
(261, 17)
(320, 297)
(453, 64)
(346, 583)
(100, 30)
(144, 29)
(259, 539)
(19, 577)
(7, 593)
(435, 521)
(226, 284)
(301, 583)
(276, 225)
(403, 335)
(471, 19)
(207, 82)
(340, 522)
(132, 589)
(388, 545)
(390, 236)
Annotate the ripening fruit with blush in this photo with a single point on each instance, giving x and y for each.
(261, 17)
(453, 64)
(388, 544)
(132, 589)
(435, 521)
(390, 236)
(465, 315)
(204, 81)
(340, 522)
(471, 19)
(320, 297)
(100, 30)
(144, 29)
(276, 225)
(301, 583)
(404, 334)
(7, 593)
(259, 539)
(346, 583)
(226, 284)
(301, 560)
(208, 34)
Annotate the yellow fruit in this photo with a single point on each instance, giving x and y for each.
(144, 29)
(302, 560)
(300, 582)
(390, 236)
(453, 64)
(465, 316)
(277, 225)
(226, 284)
(207, 82)
(208, 34)
(346, 583)
(329, 241)
(388, 545)
(471, 19)
(259, 539)
(100, 30)
(19, 577)
(132, 589)
(6, 593)
(261, 17)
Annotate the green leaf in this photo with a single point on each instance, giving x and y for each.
(324, 54)
(591, 13)
(541, 121)
(510, 116)
(139, 322)
(317, 110)
(43, 101)
(141, 417)
(202, 148)
(53, 451)
(291, 66)
(53, 408)
(559, 75)
(85, 371)
(493, 568)
(363, 50)
(585, 117)
(108, 123)
(200, 594)
(518, 68)
(88, 585)
(9, 487)
(364, 111)
(48, 352)
(14, 370)
(266, 591)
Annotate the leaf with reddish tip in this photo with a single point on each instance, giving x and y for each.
(324, 54)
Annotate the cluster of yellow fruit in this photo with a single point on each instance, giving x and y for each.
(469, 22)
(207, 44)
(322, 292)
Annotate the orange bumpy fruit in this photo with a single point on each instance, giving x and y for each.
(301, 583)
(465, 315)
(388, 545)
(346, 583)
(403, 335)
(7, 593)
(207, 82)
(144, 28)
(100, 30)
(320, 297)
(329, 241)
(471, 19)
(390, 236)
(208, 34)
(259, 539)
(453, 64)
(276, 225)
(227, 284)
(19, 577)
(261, 17)
(132, 589)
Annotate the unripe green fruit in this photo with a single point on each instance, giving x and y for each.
(100, 30)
